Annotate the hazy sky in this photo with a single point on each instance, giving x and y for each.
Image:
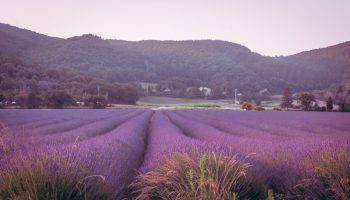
(269, 27)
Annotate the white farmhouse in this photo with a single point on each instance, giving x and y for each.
(205, 90)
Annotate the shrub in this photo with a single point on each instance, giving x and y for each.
(247, 106)
(49, 177)
(329, 104)
(259, 108)
(96, 102)
(6, 144)
(193, 176)
(2, 99)
(58, 99)
(331, 177)
(31, 100)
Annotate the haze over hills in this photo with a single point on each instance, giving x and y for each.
(178, 65)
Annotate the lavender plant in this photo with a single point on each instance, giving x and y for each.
(291, 155)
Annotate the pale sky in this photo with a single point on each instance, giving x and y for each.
(268, 27)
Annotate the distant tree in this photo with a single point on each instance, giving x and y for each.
(58, 99)
(339, 95)
(342, 105)
(316, 107)
(150, 91)
(2, 99)
(247, 106)
(287, 99)
(34, 100)
(122, 93)
(96, 102)
(31, 100)
(258, 102)
(306, 100)
(194, 92)
(141, 92)
(342, 99)
(329, 104)
(131, 95)
(218, 93)
(259, 108)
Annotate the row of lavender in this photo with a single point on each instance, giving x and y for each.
(110, 143)
(286, 148)
(283, 148)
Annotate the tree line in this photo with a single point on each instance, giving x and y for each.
(307, 101)
(35, 86)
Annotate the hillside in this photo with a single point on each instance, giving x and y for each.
(335, 58)
(339, 52)
(18, 79)
(178, 65)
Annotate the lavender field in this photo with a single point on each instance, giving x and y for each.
(281, 155)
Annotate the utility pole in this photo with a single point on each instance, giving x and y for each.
(235, 96)
(98, 90)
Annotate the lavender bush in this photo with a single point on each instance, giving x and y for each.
(292, 155)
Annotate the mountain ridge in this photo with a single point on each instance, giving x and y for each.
(177, 65)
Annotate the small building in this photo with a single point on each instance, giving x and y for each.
(205, 90)
(80, 103)
(167, 90)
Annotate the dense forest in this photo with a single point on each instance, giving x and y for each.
(178, 66)
(36, 85)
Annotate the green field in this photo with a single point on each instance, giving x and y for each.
(274, 102)
(169, 102)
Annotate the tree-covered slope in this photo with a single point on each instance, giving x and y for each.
(177, 65)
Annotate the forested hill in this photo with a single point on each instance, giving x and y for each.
(178, 65)
(18, 79)
(334, 59)
(340, 52)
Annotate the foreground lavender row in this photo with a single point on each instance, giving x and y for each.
(282, 148)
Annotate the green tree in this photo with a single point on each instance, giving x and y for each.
(329, 104)
(342, 105)
(339, 95)
(342, 99)
(2, 99)
(217, 93)
(306, 100)
(317, 107)
(259, 108)
(287, 99)
(31, 100)
(58, 99)
(194, 92)
(96, 102)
